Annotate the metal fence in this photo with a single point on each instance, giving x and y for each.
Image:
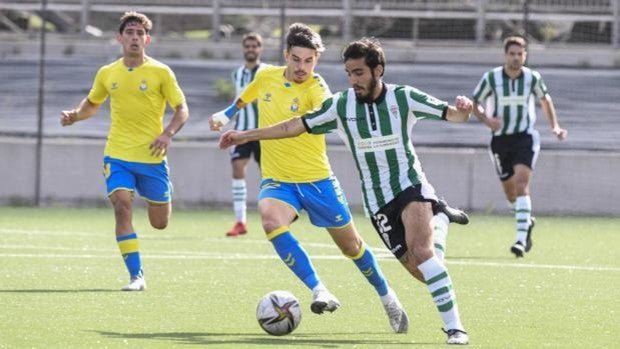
(546, 21)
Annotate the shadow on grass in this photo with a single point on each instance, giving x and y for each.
(314, 339)
(93, 290)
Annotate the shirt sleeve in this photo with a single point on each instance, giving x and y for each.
(98, 93)
(482, 90)
(425, 106)
(319, 92)
(324, 119)
(250, 92)
(171, 89)
(539, 88)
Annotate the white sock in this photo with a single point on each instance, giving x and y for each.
(440, 287)
(240, 194)
(387, 298)
(523, 213)
(440, 233)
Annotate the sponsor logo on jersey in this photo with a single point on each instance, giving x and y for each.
(376, 143)
(267, 97)
(114, 86)
(355, 118)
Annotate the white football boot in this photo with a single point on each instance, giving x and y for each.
(135, 284)
(323, 300)
(395, 312)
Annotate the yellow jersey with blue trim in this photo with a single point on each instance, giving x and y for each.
(299, 159)
(138, 99)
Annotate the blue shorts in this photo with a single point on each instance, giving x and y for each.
(323, 200)
(151, 180)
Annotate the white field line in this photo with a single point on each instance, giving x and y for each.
(381, 253)
(184, 255)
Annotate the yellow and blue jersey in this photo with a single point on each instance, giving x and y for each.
(138, 99)
(300, 159)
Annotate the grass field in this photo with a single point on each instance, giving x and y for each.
(60, 274)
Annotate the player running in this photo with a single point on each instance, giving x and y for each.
(375, 120)
(135, 153)
(297, 175)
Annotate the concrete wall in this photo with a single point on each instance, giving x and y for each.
(581, 183)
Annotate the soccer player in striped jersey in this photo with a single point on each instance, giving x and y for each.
(135, 154)
(246, 119)
(508, 94)
(297, 175)
(375, 120)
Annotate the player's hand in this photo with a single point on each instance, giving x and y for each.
(493, 123)
(217, 121)
(159, 147)
(68, 117)
(560, 133)
(231, 137)
(464, 104)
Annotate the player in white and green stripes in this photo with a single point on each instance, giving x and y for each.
(508, 93)
(246, 119)
(375, 120)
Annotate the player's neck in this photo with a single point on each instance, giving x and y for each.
(512, 72)
(134, 61)
(252, 65)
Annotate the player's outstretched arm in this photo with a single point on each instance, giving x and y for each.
(549, 109)
(162, 142)
(493, 123)
(221, 118)
(290, 128)
(463, 106)
(85, 110)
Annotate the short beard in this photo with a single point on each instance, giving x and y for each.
(371, 89)
(250, 59)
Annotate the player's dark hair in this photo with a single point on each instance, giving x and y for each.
(301, 35)
(367, 48)
(514, 40)
(253, 36)
(133, 16)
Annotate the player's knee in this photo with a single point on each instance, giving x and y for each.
(159, 224)
(421, 253)
(270, 225)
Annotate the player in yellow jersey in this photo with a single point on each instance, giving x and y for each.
(297, 175)
(135, 154)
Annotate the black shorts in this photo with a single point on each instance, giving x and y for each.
(509, 150)
(244, 151)
(388, 221)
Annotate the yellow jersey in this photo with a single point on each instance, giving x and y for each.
(299, 159)
(138, 99)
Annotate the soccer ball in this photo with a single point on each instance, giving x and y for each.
(278, 313)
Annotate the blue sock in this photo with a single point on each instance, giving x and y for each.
(128, 244)
(294, 256)
(367, 264)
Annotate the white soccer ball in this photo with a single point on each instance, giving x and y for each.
(278, 313)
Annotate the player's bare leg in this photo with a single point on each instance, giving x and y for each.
(127, 239)
(159, 214)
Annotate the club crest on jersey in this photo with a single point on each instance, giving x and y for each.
(295, 105)
(114, 86)
(143, 86)
(267, 97)
(394, 111)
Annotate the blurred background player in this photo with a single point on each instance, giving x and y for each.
(247, 119)
(297, 174)
(396, 193)
(509, 92)
(135, 153)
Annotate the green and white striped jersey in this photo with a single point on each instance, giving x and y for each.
(378, 135)
(511, 100)
(247, 118)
